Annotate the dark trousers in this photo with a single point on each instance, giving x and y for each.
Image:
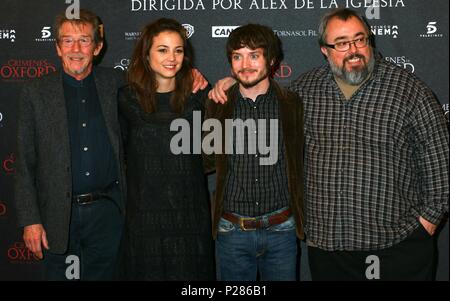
(411, 259)
(95, 236)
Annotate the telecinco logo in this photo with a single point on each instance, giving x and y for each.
(189, 30)
(222, 31)
(8, 34)
(8, 164)
(432, 28)
(18, 252)
(2, 209)
(46, 34)
(385, 30)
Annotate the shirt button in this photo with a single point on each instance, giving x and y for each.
(256, 156)
(87, 173)
(85, 149)
(255, 132)
(254, 107)
(83, 124)
(83, 100)
(256, 180)
(257, 204)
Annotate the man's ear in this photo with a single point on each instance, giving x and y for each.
(58, 50)
(98, 48)
(324, 50)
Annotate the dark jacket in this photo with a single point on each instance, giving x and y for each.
(43, 182)
(291, 115)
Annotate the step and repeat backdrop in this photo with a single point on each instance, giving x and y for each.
(413, 34)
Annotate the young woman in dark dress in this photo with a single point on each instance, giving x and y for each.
(168, 227)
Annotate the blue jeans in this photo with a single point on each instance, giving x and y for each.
(270, 252)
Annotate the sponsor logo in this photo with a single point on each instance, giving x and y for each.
(132, 35)
(385, 30)
(46, 35)
(222, 31)
(122, 64)
(19, 253)
(432, 31)
(8, 34)
(401, 61)
(445, 108)
(284, 72)
(21, 69)
(8, 164)
(189, 30)
(2, 209)
(296, 33)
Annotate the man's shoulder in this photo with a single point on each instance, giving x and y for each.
(312, 76)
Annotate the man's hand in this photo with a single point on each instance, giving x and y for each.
(217, 94)
(431, 228)
(34, 236)
(200, 82)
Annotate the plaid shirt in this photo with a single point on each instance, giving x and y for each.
(253, 189)
(374, 163)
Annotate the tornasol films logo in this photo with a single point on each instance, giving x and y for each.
(19, 253)
(46, 35)
(385, 30)
(21, 69)
(8, 34)
(8, 164)
(402, 61)
(432, 31)
(190, 30)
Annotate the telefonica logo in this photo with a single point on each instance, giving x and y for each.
(222, 31)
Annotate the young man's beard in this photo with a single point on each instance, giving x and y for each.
(353, 77)
(251, 83)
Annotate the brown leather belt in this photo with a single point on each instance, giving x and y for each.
(253, 223)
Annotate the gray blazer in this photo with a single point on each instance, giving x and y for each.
(43, 182)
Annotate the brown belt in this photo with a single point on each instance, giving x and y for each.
(253, 223)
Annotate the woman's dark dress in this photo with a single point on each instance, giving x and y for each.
(168, 226)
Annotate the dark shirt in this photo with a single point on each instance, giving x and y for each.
(93, 162)
(253, 189)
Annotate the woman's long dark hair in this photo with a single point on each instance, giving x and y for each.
(142, 78)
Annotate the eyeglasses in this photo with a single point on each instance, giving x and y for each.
(345, 45)
(68, 42)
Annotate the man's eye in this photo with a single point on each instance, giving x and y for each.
(342, 44)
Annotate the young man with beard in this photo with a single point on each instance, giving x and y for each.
(258, 207)
(376, 161)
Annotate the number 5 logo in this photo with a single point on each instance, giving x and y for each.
(431, 27)
(46, 33)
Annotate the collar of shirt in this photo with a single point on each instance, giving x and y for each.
(268, 96)
(78, 83)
